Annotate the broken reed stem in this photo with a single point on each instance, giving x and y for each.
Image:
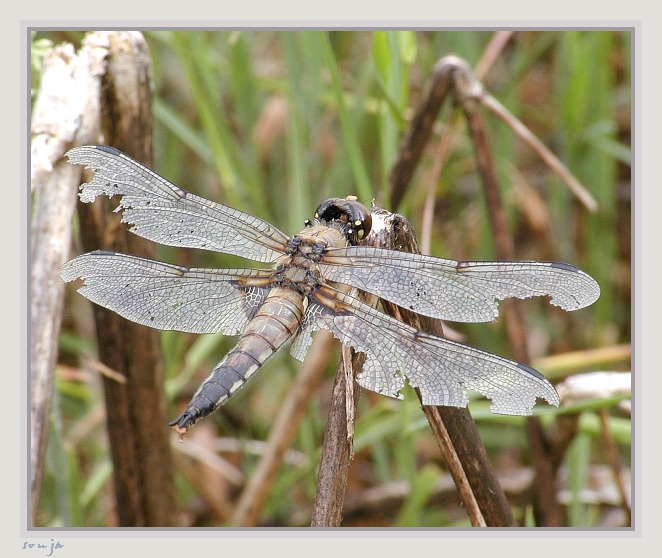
(143, 472)
(282, 433)
(522, 132)
(547, 509)
(336, 448)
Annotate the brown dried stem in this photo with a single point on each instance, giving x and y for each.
(136, 410)
(283, 432)
(454, 121)
(575, 186)
(452, 77)
(419, 132)
(337, 446)
(453, 428)
(547, 509)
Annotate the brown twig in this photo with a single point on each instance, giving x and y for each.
(283, 432)
(492, 51)
(136, 410)
(336, 448)
(575, 186)
(442, 84)
(453, 428)
(452, 78)
(419, 131)
(455, 467)
(441, 153)
(454, 121)
(547, 509)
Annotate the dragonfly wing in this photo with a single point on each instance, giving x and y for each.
(160, 211)
(460, 291)
(170, 297)
(443, 370)
(309, 324)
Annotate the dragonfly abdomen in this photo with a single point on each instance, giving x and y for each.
(275, 322)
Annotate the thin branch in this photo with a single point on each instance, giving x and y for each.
(473, 458)
(283, 431)
(337, 446)
(547, 509)
(440, 156)
(490, 54)
(454, 463)
(453, 428)
(435, 93)
(521, 131)
(136, 409)
(337, 449)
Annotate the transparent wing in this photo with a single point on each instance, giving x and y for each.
(165, 296)
(443, 370)
(165, 213)
(456, 290)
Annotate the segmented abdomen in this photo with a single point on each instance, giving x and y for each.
(275, 322)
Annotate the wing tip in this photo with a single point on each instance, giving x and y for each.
(590, 291)
(548, 392)
(85, 154)
(67, 272)
(99, 147)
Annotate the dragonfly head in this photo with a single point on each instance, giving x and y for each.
(350, 216)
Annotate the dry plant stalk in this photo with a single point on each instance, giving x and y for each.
(66, 89)
(283, 432)
(337, 450)
(452, 427)
(116, 109)
(453, 82)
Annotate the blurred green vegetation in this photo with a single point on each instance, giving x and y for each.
(273, 122)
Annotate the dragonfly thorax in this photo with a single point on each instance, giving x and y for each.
(298, 268)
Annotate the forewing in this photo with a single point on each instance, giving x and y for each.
(460, 291)
(443, 370)
(160, 211)
(170, 297)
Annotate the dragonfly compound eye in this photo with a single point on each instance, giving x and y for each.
(351, 213)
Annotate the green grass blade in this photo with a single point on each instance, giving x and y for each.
(349, 133)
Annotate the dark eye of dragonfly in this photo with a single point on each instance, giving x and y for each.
(353, 216)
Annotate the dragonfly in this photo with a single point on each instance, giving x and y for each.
(308, 286)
